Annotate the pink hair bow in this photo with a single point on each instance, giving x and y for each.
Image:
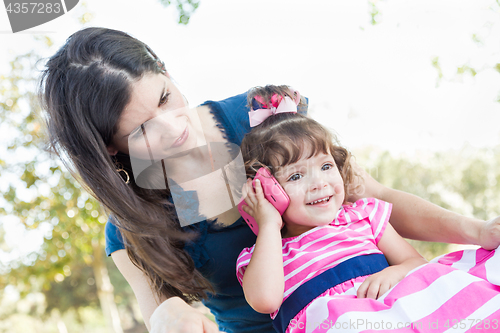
(278, 105)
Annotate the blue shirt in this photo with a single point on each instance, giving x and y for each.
(216, 250)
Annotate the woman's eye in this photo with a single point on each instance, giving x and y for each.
(327, 166)
(164, 98)
(137, 133)
(294, 177)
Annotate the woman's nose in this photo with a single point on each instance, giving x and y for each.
(163, 121)
(164, 126)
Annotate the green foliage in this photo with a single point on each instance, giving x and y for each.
(466, 69)
(90, 321)
(185, 8)
(70, 218)
(47, 201)
(466, 182)
(481, 40)
(374, 11)
(435, 63)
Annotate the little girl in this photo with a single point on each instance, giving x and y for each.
(327, 264)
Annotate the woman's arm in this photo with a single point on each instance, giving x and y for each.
(416, 218)
(400, 255)
(264, 281)
(171, 315)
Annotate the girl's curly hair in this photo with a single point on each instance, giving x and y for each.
(282, 139)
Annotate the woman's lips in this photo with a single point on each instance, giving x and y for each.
(180, 140)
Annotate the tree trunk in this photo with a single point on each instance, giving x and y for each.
(105, 290)
(61, 326)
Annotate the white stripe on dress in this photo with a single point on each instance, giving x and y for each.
(429, 300)
(492, 267)
(467, 261)
(475, 318)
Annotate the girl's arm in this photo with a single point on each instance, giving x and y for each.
(263, 281)
(161, 315)
(416, 218)
(400, 255)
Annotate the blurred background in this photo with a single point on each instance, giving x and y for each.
(411, 88)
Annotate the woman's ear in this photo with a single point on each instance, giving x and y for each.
(112, 150)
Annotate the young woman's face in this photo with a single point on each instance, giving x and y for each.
(156, 122)
(316, 192)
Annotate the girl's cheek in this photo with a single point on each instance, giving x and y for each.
(293, 189)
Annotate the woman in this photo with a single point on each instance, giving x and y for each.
(101, 89)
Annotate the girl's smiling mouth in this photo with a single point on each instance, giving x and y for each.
(323, 201)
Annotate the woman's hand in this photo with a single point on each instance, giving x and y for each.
(258, 206)
(176, 316)
(489, 236)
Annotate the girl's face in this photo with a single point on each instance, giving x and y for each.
(156, 123)
(316, 192)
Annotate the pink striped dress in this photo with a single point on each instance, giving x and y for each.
(458, 292)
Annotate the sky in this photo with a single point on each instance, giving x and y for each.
(373, 84)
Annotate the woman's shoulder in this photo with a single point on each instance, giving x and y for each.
(231, 103)
(230, 115)
(230, 111)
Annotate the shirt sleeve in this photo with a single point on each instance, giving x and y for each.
(242, 262)
(378, 214)
(114, 240)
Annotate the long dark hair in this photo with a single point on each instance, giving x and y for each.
(84, 89)
(282, 138)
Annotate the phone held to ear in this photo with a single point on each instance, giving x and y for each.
(273, 192)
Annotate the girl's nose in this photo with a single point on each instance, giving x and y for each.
(318, 182)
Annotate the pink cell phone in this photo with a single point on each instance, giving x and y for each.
(273, 192)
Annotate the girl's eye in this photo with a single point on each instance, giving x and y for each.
(326, 166)
(294, 177)
(164, 99)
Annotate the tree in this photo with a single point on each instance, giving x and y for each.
(480, 38)
(69, 268)
(185, 8)
(44, 197)
(465, 181)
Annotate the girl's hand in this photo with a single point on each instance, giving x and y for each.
(259, 207)
(489, 236)
(379, 283)
(176, 316)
